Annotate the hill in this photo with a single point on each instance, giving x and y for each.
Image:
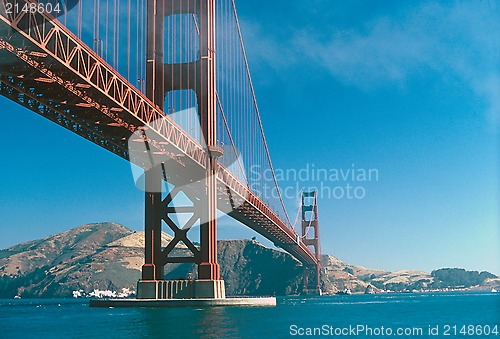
(109, 256)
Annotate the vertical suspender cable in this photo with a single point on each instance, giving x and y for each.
(97, 36)
(128, 41)
(181, 45)
(106, 42)
(258, 115)
(94, 33)
(79, 20)
(65, 18)
(115, 36)
(137, 76)
(143, 45)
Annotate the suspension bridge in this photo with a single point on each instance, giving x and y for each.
(164, 84)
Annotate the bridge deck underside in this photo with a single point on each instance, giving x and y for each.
(34, 77)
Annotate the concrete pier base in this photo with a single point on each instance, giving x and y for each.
(162, 303)
(182, 293)
(181, 289)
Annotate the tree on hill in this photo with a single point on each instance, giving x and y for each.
(458, 277)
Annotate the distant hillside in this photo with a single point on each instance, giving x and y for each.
(339, 276)
(57, 264)
(109, 256)
(458, 277)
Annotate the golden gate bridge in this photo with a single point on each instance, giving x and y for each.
(164, 84)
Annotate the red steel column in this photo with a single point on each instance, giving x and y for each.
(155, 84)
(208, 268)
(152, 269)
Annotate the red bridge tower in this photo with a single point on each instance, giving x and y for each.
(310, 237)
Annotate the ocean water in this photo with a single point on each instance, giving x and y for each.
(369, 316)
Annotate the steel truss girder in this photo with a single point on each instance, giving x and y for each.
(50, 37)
(13, 89)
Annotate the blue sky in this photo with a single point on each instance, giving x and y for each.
(411, 90)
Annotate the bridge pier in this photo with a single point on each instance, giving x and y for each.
(158, 210)
(181, 289)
